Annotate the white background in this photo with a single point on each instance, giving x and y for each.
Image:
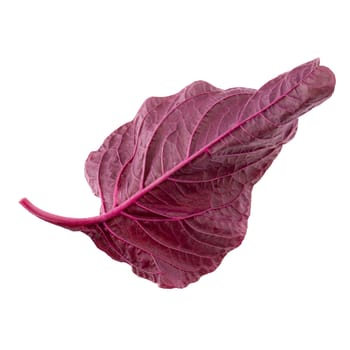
(73, 71)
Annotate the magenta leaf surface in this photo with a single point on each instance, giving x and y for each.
(176, 182)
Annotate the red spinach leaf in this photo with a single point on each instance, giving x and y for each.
(176, 182)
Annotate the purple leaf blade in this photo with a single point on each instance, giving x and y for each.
(176, 182)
